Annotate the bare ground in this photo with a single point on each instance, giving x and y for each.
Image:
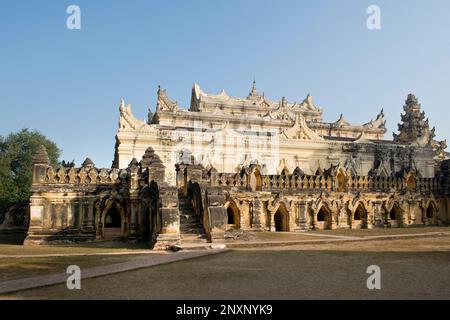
(416, 268)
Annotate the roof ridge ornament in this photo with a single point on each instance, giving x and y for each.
(301, 131)
(308, 103)
(164, 103)
(341, 122)
(362, 138)
(378, 123)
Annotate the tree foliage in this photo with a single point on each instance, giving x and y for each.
(16, 154)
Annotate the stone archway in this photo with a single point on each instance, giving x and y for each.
(430, 214)
(395, 216)
(323, 219)
(233, 216)
(112, 223)
(281, 219)
(359, 220)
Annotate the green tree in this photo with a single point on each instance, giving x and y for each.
(16, 154)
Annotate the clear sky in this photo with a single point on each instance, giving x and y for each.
(68, 83)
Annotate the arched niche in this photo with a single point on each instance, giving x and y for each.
(281, 219)
(323, 218)
(113, 221)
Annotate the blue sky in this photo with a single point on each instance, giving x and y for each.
(68, 83)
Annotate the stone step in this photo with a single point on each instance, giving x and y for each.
(191, 224)
(187, 212)
(193, 240)
(193, 235)
(191, 230)
(189, 218)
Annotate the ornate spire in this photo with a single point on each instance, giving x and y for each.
(414, 129)
(253, 93)
(150, 158)
(41, 156)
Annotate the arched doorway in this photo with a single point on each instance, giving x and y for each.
(232, 217)
(324, 219)
(112, 224)
(281, 219)
(395, 216)
(360, 218)
(430, 214)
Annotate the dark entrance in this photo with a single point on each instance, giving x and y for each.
(113, 224)
(323, 219)
(281, 221)
(430, 212)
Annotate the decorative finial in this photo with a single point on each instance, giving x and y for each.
(253, 93)
(122, 103)
(88, 163)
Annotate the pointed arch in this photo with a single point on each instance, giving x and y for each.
(323, 217)
(360, 217)
(395, 215)
(233, 215)
(281, 218)
(431, 212)
(255, 182)
(283, 168)
(113, 219)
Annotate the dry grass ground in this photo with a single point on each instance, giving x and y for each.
(81, 248)
(283, 236)
(416, 268)
(17, 268)
(382, 232)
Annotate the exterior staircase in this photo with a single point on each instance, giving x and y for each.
(191, 227)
